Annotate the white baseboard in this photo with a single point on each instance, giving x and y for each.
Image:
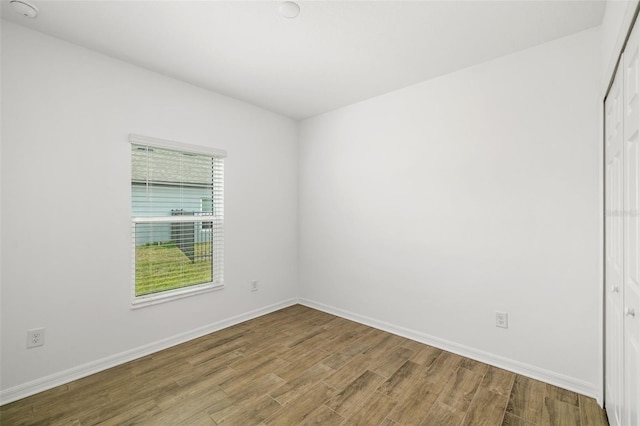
(518, 367)
(75, 373)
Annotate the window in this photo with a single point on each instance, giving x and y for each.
(177, 199)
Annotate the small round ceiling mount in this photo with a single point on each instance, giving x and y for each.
(289, 9)
(25, 8)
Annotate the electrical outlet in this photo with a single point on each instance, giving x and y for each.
(254, 285)
(35, 337)
(502, 319)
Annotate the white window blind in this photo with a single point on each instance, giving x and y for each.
(177, 204)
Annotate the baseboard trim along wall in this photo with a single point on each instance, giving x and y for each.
(524, 369)
(75, 373)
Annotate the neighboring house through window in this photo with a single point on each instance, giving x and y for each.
(206, 208)
(177, 200)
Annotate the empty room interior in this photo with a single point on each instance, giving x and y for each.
(320, 212)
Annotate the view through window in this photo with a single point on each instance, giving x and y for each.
(177, 214)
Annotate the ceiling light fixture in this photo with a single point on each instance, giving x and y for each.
(25, 8)
(289, 9)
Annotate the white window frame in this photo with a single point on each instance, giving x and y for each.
(169, 295)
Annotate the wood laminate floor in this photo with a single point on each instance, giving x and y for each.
(303, 366)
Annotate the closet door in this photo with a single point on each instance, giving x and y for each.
(614, 245)
(631, 258)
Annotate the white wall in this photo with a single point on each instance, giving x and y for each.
(427, 209)
(66, 249)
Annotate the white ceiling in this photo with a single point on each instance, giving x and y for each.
(334, 54)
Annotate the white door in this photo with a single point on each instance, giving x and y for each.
(614, 244)
(631, 258)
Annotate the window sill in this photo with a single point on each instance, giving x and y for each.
(168, 296)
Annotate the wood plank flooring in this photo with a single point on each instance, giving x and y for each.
(299, 366)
